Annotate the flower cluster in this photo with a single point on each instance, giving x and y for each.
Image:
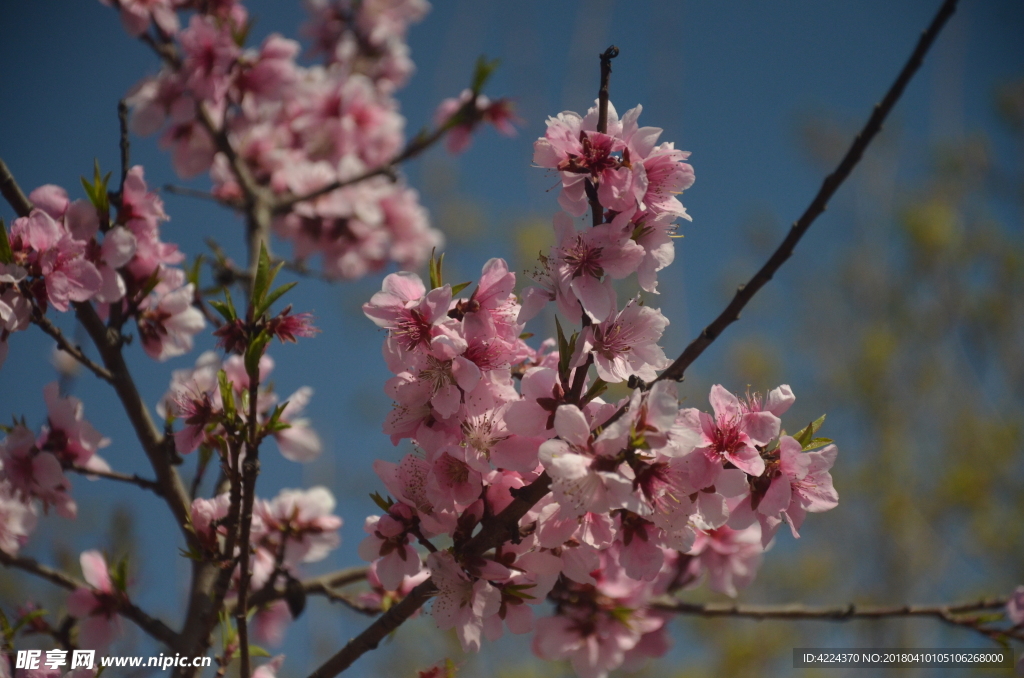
(32, 466)
(645, 496)
(295, 527)
(65, 252)
(298, 129)
(197, 398)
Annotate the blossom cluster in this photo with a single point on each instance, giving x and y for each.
(68, 252)
(32, 466)
(645, 496)
(195, 397)
(300, 129)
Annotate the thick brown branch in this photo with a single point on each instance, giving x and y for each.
(376, 632)
(125, 608)
(828, 188)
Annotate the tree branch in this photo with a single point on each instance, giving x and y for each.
(949, 613)
(172, 489)
(154, 627)
(12, 192)
(46, 325)
(316, 585)
(132, 479)
(828, 188)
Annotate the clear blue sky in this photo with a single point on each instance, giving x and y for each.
(727, 81)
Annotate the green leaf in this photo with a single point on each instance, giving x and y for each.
(526, 335)
(261, 283)
(119, 575)
(231, 303)
(6, 629)
(563, 351)
(434, 268)
(461, 286)
(807, 434)
(481, 74)
(227, 394)
(6, 253)
(223, 309)
(274, 296)
(384, 504)
(257, 651)
(193, 273)
(254, 352)
(28, 619)
(596, 389)
(816, 443)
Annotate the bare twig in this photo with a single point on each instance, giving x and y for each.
(828, 188)
(12, 192)
(125, 145)
(202, 195)
(73, 350)
(955, 614)
(132, 479)
(250, 472)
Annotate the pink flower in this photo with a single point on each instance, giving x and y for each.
(34, 473)
(305, 519)
(798, 483)
(461, 603)
(408, 311)
(1015, 606)
(299, 442)
(730, 557)
(17, 518)
(209, 54)
(732, 435)
(167, 319)
(96, 607)
(271, 623)
(69, 436)
(580, 261)
(626, 344)
(136, 15)
(387, 546)
(580, 481)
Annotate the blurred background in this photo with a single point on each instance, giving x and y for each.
(901, 314)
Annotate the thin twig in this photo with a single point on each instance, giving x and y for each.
(73, 350)
(313, 586)
(12, 192)
(132, 479)
(125, 145)
(202, 195)
(832, 182)
(948, 613)
(154, 627)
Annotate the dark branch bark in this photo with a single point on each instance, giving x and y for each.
(828, 188)
(12, 192)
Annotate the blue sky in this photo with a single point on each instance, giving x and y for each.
(727, 81)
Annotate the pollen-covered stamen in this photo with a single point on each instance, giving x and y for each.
(438, 373)
(480, 434)
(596, 156)
(412, 330)
(583, 258)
